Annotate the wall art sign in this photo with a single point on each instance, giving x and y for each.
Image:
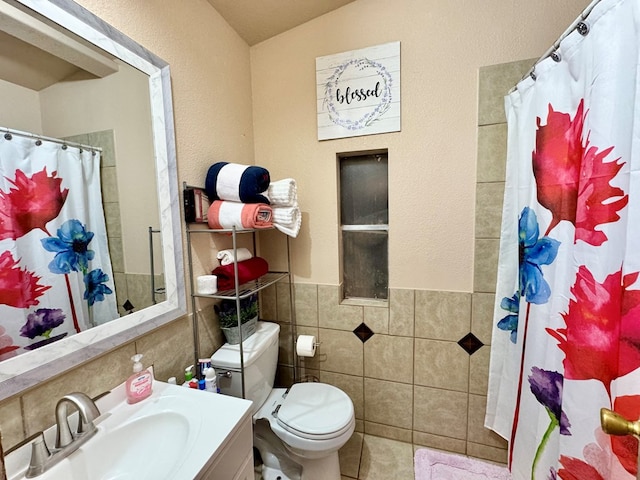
(358, 92)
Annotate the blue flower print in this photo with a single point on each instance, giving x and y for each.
(534, 252)
(71, 248)
(95, 286)
(510, 322)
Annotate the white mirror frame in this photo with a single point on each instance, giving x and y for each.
(27, 370)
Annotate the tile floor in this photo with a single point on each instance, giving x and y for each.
(366, 457)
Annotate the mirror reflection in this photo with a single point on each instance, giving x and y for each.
(87, 176)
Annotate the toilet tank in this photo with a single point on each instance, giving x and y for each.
(260, 354)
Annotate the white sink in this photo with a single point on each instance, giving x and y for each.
(171, 435)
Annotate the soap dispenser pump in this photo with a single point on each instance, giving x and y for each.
(139, 384)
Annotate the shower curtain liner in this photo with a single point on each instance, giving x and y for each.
(55, 271)
(566, 338)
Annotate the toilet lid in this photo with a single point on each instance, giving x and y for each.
(315, 410)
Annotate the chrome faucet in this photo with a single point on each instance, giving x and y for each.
(66, 442)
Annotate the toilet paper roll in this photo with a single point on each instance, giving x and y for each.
(306, 346)
(207, 284)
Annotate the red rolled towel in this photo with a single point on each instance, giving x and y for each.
(248, 270)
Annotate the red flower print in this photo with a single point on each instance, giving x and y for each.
(576, 469)
(626, 447)
(7, 348)
(573, 180)
(601, 340)
(18, 287)
(33, 202)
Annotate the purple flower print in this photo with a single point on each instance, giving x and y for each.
(41, 322)
(546, 386)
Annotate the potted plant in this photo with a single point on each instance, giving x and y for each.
(228, 318)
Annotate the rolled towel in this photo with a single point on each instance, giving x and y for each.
(237, 183)
(283, 193)
(223, 214)
(227, 257)
(248, 270)
(287, 220)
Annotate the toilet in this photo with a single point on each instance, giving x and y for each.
(298, 431)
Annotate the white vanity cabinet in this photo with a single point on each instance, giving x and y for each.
(234, 458)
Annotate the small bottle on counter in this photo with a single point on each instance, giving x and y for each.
(189, 381)
(140, 384)
(211, 384)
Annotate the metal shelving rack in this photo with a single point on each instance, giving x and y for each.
(241, 291)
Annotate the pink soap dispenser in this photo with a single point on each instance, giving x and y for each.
(139, 384)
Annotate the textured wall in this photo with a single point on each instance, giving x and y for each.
(432, 161)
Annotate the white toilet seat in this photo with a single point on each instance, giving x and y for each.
(316, 411)
(306, 410)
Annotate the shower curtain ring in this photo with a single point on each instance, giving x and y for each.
(555, 56)
(582, 28)
(8, 136)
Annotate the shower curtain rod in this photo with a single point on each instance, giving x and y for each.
(64, 143)
(585, 13)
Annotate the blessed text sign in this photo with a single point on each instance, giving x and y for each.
(359, 92)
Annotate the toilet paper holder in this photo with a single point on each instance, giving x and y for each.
(315, 344)
(306, 346)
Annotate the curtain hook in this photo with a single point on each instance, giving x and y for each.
(64, 146)
(555, 56)
(582, 28)
(38, 142)
(533, 75)
(8, 136)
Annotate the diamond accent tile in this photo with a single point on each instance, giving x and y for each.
(470, 343)
(363, 332)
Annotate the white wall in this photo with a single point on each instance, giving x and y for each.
(20, 108)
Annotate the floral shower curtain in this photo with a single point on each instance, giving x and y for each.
(55, 271)
(566, 337)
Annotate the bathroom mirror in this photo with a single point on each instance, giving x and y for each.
(26, 370)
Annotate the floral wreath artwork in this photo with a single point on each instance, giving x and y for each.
(28, 206)
(359, 92)
(383, 92)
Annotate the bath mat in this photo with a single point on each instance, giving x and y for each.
(435, 465)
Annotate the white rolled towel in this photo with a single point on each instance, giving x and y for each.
(287, 220)
(226, 257)
(282, 193)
